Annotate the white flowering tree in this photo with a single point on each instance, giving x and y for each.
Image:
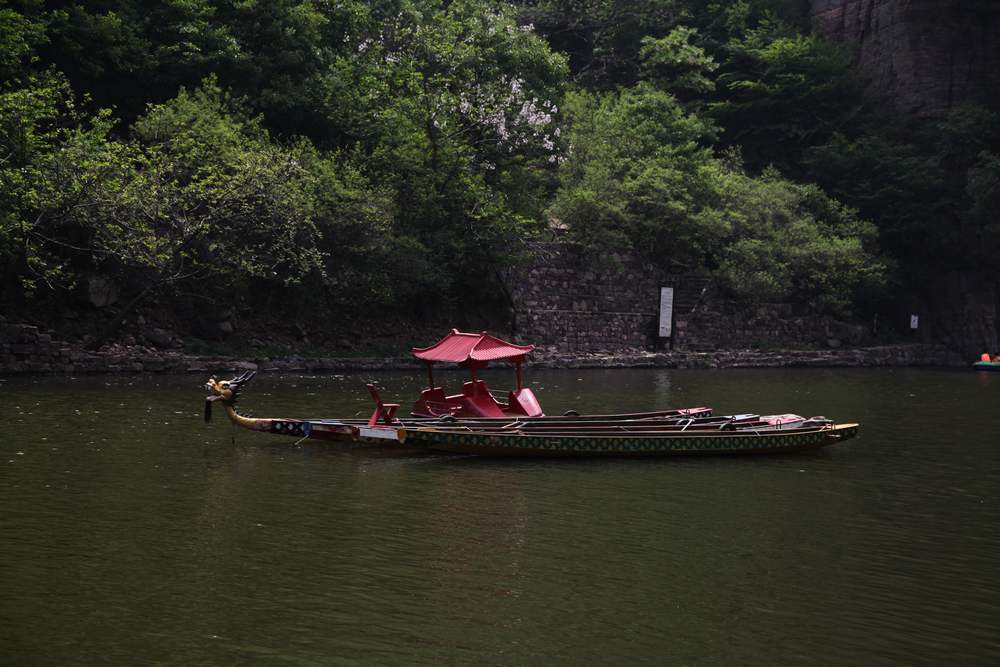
(457, 107)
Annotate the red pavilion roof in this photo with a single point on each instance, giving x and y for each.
(459, 347)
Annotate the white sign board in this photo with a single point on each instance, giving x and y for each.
(666, 311)
(914, 321)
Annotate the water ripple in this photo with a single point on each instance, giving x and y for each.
(130, 532)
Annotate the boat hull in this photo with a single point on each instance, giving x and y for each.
(675, 444)
(987, 366)
(493, 443)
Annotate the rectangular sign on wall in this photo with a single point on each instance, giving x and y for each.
(666, 311)
(914, 321)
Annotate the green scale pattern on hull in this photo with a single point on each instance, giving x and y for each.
(590, 446)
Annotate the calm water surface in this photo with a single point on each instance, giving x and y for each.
(131, 532)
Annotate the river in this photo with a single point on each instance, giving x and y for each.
(132, 533)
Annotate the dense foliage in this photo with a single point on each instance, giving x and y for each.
(366, 157)
(284, 154)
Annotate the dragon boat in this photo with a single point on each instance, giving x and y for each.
(668, 432)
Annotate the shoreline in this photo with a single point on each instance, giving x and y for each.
(26, 351)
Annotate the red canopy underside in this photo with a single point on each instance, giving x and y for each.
(458, 347)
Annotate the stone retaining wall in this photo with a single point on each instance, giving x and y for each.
(723, 326)
(561, 301)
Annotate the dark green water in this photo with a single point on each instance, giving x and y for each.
(132, 533)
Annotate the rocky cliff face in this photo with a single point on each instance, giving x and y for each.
(921, 56)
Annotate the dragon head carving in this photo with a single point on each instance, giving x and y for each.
(227, 391)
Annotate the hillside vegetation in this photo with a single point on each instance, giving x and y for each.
(341, 161)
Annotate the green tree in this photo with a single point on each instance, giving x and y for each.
(56, 164)
(633, 180)
(22, 30)
(782, 92)
(603, 37)
(637, 179)
(676, 64)
(890, 181)
(460, 116)
(791, 242)
(125, 54)
(920, 181)
(983, 224)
